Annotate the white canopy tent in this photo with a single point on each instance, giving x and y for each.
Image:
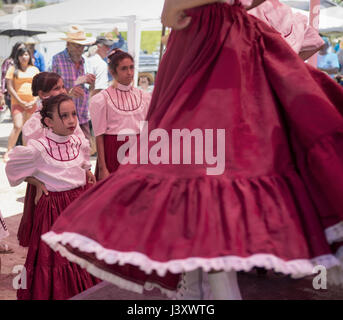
(94, 15)
(330, 16)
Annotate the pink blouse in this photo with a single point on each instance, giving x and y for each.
(293, 27)
(33, 128)
(60, 162)
(119, 110)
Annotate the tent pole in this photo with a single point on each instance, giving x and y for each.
(314, 22)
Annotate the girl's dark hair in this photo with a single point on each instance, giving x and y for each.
(114, 58)
(17, 65)
(44, 81)
(15, 49)
(52, 103)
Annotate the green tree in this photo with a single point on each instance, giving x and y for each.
(39, 4)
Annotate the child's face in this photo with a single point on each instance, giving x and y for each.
(24, 59)
(65, 123)
(125, 72)
(55, 91)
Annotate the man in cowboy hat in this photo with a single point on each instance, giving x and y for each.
(38, 59)
(72, 67)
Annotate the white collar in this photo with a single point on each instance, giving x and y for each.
(57, 138)
(122, 87)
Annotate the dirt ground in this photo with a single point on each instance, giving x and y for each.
(253, 287)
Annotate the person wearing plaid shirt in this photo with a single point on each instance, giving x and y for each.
(72, 67)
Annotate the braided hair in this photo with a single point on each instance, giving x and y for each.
(51, 104)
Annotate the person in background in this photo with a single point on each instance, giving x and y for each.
(72, 67)
(328, 61)
(19, 81)
(145, 82)
(340, 56)
(117, 110)
(117, 42)
(4, 68)
(99, 64)
(38, 58)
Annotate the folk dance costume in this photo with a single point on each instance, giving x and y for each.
(293, 27)
(33, 129)
(61, 164)
(114, 112)
(283, 163)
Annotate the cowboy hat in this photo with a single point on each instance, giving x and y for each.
(109, 36)
(104, 40)
(76, 34)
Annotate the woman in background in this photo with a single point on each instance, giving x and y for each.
(19, 82)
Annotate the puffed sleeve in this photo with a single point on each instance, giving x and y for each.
(22, 163)
(98, 113)
(293, 27)
(312, 40)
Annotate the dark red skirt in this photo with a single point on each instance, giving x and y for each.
(283, 179)
(26, 222)
(111, 147)
(49, 276)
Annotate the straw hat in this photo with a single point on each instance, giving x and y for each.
(76, 34)
(31, 40)
(109, 36)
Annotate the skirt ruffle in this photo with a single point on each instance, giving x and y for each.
(47, 275)
(175, 225)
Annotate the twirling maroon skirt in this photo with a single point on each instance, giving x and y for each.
(25, 227)
(49, 276)
(282, 183)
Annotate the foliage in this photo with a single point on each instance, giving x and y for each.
(150, 40)
(39, 4)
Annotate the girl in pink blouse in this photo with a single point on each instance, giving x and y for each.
(44, 85)
(115, 111)
(60, 160)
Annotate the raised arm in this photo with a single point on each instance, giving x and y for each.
(173, 15)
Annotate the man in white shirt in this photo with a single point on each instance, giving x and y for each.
(98, 66)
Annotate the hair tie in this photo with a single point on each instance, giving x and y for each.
(114, 51)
